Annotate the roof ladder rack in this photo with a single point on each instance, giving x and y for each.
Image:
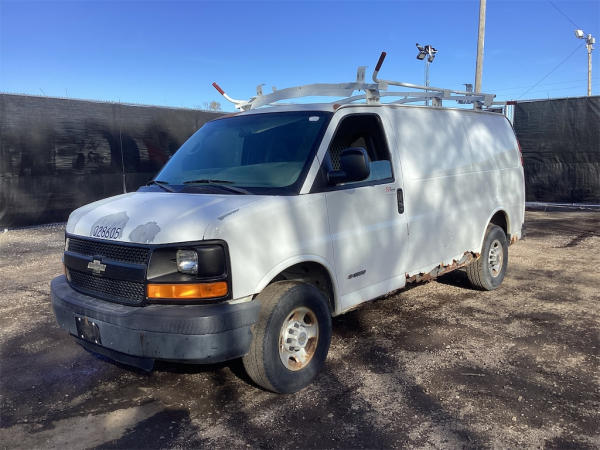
(372, 92)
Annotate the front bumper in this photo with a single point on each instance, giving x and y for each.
(137, 335)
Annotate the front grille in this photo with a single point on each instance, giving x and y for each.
(120, 291)
(117, 252)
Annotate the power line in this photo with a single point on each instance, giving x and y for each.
(514, 88)
(542, 90)
(567, 17)
(552, 71)
(546, 89)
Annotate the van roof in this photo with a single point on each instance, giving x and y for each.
(332, 107)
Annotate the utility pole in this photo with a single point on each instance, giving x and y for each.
(480, 39)
(589, 44)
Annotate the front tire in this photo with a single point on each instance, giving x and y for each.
(487, 271)
(291, 338)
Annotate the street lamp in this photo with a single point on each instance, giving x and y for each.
(589, 44)
(426, 51)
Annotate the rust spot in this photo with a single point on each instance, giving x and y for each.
(442, 269)
(296, 365)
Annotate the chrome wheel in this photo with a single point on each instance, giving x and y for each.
(495, 258)
(298, 338)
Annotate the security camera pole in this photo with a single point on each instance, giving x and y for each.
(480, 39)
(429, 52)
(589, 44)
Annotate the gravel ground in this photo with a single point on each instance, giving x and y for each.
(437, 365)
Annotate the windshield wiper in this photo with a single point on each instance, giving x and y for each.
(162, 184)
(208, 181)
(223, 184)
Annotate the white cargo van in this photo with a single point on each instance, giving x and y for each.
(267, 223)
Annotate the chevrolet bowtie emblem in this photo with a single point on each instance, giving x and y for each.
(97, 267)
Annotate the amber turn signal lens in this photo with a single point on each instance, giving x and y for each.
(188, 291)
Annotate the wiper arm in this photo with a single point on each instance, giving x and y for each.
(208, 181)
(162, 184)
(223, 184)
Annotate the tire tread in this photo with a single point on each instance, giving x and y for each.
(253, 360)
(476, 270)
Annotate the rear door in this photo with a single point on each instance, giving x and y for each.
(366, 220)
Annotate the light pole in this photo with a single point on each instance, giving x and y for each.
(589, 44)
(429, 52)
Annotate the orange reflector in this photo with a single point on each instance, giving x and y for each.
(188, 291)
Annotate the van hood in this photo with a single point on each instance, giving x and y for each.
(154, 217)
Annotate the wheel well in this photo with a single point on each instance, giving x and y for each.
(313, 273)
(501, 220)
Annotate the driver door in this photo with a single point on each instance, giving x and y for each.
(366, 224)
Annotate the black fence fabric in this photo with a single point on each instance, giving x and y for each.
(59, 154)
(560, 140)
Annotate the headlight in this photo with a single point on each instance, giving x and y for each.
(187, 261)
(198, 271)
(201, 262)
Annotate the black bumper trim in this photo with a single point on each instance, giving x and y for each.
(146, 364)
(193, 333)
(180, 319)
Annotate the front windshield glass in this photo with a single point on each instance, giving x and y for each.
(268, 150)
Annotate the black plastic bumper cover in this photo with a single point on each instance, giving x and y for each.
(188, 333)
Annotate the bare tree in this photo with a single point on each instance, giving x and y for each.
(211, 106)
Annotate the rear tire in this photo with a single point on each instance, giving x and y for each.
(291, 338)
(487, 271)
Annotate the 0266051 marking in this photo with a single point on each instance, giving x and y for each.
(106, 232)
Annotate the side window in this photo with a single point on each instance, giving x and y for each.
(363, 131)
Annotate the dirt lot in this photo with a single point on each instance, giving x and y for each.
(438, 365)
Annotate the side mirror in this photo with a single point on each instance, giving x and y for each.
(354, 166)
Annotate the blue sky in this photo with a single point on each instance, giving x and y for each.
(169, 53)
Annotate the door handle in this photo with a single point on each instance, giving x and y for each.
(400, 198)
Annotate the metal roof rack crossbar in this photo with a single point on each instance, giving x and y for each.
(372, 92)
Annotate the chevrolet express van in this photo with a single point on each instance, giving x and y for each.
(266, 224)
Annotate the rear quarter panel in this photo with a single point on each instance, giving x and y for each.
(497, 162)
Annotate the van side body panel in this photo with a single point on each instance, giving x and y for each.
(437, 165)
(456, 171)
(460, 167)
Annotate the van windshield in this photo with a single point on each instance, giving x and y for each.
(257, 153)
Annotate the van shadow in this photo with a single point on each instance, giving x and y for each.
(380, 373)
(355, 389)
(236, 367)
(457, 278)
